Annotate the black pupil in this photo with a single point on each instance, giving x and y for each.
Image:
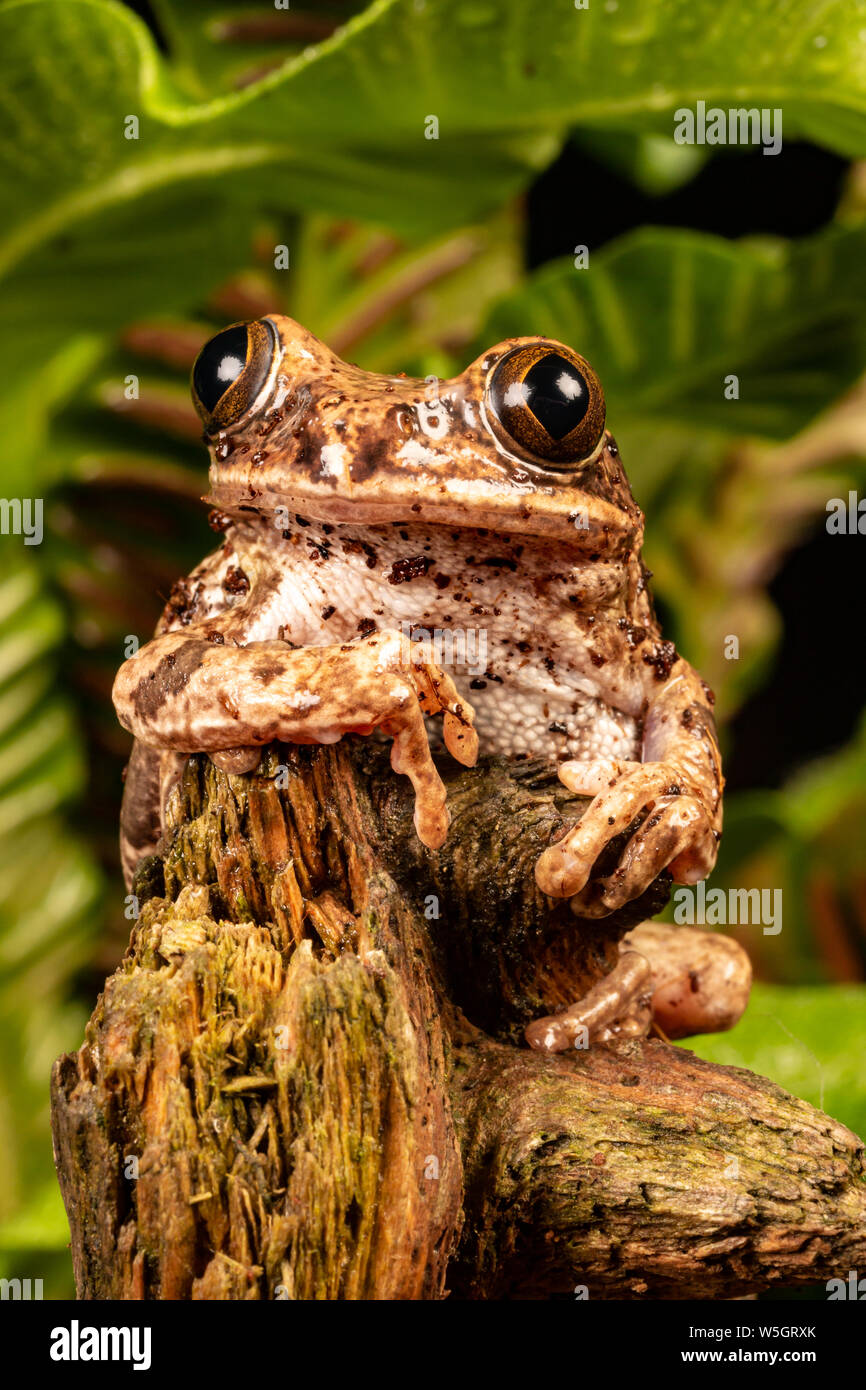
(557, 394)
(219, 363)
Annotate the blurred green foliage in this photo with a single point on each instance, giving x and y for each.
(144, 194)
(809, 1040)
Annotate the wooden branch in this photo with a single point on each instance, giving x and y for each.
(642, 1171)
(306, 1079)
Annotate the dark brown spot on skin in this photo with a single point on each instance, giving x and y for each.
(218, 521)
(557, 727)
(597, 659)
(442, 580)
(235, 581)
(634, 634)
(371, 458)
(366, 626)
(356, 547)
(167, 679)
(181, 605)
(495, 562)
(477, 684)
(662, 657)
(328, 611)
(214, 635)
(710, 694)
(413, 567)
(228, 704)
(266, 671)
(699, 721)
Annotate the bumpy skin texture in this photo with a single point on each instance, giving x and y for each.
(359, 510)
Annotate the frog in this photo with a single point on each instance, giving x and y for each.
(362, 514)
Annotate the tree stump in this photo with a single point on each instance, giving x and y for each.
(307, 1078)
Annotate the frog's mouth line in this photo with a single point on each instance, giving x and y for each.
(588, 522)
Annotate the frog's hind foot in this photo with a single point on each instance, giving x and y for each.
(680, 980)
(617, 1006)
(700, 979)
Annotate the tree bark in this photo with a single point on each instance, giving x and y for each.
(307, 1078)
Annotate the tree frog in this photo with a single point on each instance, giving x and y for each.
(492, 514)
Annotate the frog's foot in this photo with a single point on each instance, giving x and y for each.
(683, 979)
(386, 682)
(700, 980)
(677, 835)
(403, 721)
(617, 1005)
(236, 760)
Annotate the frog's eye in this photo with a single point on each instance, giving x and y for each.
(230, 371)
(550, 402)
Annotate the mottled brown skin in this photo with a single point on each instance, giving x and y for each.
(359, 508)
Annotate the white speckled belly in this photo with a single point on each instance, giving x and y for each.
(501, 615)
(515, 719)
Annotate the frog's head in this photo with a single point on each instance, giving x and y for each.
(516, 442)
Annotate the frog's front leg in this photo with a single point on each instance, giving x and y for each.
(195, 691)
(675, 795)
(677, 789)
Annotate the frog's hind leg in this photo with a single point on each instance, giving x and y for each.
(140, 816)
(151, 774)
(625, 991)
(684, 980)
(700, 979)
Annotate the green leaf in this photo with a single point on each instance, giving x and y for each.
(653, 162)
(808, 1040)
(40, 1225)
(49, 899)
(322, 132)
(666, 316)
(805, 841)
(341, 125)
(222, 47)
(385, 303)
(500, 65)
